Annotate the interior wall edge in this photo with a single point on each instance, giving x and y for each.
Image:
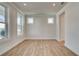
(57, 18)
(11, 46)
(16, 8)
(77, 53)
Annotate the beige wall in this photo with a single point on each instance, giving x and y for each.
(41, 29)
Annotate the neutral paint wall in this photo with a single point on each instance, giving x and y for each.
(71, 26)
(13, 39)
(41, 29)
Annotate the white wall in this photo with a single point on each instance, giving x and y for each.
(13, 39)
(41, 29)
(71, 26)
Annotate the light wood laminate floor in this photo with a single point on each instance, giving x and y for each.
(39, 48)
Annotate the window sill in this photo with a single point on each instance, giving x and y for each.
(3, 38)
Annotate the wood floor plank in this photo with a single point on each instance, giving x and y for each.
(39, 48)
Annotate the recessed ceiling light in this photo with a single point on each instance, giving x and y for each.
(25, 4)
(54, 4)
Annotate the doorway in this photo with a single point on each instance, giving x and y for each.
(62, 28)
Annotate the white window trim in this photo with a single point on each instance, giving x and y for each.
(22, 28)
(51, 20)
(6, 22)
(30, 20)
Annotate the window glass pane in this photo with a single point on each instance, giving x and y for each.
(2, 14)
(19, 21)
(30, 20)
(2, 30)
(50, 20)
(19, 24)
(3, 24)
(19, 31)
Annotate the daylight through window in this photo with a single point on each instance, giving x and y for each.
(19, 24)
(3, 23)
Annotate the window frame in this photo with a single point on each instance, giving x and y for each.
(22, 23)
(6, 21)
(51, 20)
(28, 21)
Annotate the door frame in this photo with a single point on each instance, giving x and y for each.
(58, 26)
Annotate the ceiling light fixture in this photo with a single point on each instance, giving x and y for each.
(54, 4)
(25, 4)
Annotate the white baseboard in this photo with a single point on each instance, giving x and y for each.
(77, 53)
(11, 46)
(37, 38)
(59, 40)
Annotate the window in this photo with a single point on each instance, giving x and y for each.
(19, 24)
(51, 20)
(3, 23)
(30, 20)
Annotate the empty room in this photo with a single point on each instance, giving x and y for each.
(39, 28)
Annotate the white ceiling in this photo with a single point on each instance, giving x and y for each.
(39, 7)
